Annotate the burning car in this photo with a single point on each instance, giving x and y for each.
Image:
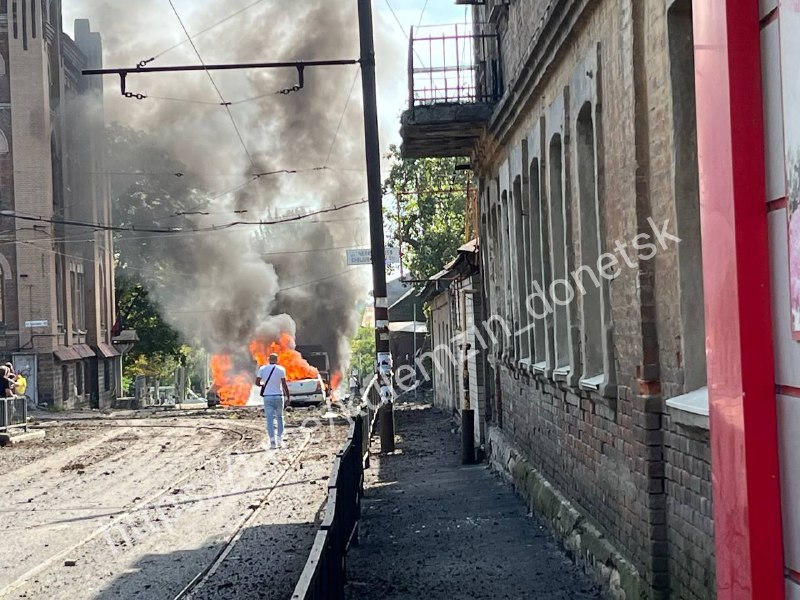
(233, 382)
(308, 391)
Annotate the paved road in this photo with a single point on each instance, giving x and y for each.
(434, 529)
(139, 507)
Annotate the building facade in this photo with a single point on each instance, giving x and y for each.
(580, 122)
(748, 93)
(58, 278)
(456, 360)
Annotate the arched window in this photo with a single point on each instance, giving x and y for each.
(558, 233)
(592, 325)
(539, 252)
(3, 143)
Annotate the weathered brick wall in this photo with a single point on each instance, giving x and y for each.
(106, 396)
(440, 367)
(689, 509)
(611, 456)
(29, 266)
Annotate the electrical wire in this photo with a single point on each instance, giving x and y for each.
(185, 100)
(179, 174)
(214, 83)
(422, 14)
(403, 29)
(152, 236)
(176, 230)
(341, 118)
(204, 31)
(396, 18)
(283, 289)
(186, 274)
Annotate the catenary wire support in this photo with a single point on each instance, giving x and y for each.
(141, 68)
(301, 82)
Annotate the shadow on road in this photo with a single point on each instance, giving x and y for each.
(265, 564)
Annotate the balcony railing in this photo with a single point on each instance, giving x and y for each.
(453, 65)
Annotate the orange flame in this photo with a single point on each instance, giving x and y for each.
(336, 381)
(290, 359)
(234, 388)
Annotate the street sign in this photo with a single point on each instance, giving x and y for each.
(359, 257)
(363, 256)
(33, 324)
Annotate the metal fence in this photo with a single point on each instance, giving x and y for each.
(453, 65)
(13, 412)
(324, 575)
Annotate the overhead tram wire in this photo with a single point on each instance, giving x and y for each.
(185, 100)
(216, 87)
(341, 118)
(177, 230)
(202, 31)
(283, 289)
(185, 273)
(153, 236)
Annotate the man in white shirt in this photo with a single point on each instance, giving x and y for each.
(271, 378)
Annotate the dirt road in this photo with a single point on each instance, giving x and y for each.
(147, 507)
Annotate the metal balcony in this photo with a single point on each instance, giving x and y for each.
(454, 80)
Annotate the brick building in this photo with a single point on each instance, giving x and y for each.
(57, 304)
(579, 118)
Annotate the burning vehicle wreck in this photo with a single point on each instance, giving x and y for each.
(233, 374)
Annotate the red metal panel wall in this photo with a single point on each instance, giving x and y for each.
(736, 274)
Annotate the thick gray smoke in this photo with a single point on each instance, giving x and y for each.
(223, 288)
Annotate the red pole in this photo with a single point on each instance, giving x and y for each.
(744, 444)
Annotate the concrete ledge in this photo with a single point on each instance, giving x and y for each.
(587, 544)
(10, 438)
(690, 410)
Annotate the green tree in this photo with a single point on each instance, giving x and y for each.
(149, 188)
(362, 348)
(159, 350)
(429, 220)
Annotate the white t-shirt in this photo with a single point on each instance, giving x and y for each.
(273, 388)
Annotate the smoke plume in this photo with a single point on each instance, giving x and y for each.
(223, 288)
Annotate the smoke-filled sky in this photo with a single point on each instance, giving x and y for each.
(238, 284)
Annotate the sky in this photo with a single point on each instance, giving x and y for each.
(320, 125)
(393, 20)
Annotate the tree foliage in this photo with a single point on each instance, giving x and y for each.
(430, 222)
(362, 348)
(159, 350)
(151, 189)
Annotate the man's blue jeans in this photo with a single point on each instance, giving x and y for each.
(273, 407)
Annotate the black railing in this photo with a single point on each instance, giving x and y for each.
(13, 412)
(324, 575)
(453, 66)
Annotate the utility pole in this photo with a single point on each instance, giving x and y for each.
(377, 243)
(374, 195)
